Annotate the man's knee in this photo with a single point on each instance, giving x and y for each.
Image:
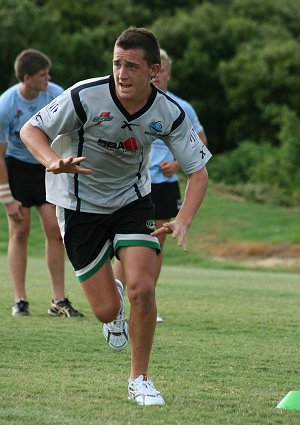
(106, 314)
(141, 294)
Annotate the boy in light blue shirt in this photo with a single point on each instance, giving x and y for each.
(22, 182)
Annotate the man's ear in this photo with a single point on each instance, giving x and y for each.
(155, 70)
(26, 77)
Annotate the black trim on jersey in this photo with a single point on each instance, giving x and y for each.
(76, 99)
(182, 114)
(139, 176)
(119, 105)
(76, 175)
(138, 193)
(83, 118)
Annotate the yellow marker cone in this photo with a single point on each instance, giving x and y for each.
(290, 401)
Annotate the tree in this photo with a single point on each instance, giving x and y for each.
(23, 25)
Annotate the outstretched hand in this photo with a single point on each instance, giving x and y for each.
(177, 230)
(68, 165)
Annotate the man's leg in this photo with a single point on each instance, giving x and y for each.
(55, 252)
(102, 294)
(118, 271)
(138, 266)
(55, 257)
(17, 253)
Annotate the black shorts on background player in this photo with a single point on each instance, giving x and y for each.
(166, 198)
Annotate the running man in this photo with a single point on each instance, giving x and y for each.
(99, 179)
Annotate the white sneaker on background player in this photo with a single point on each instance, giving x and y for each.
(116, 332)
(159, 319)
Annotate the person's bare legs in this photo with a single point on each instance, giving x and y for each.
(17, 253)
(118, 269)
(140, 278)
(55, 251)
(102, 294)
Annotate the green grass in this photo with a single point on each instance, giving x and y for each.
(227, 353)
(222, 218)
(229, 220)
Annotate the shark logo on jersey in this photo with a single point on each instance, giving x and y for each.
(103, 116)
(156, 127)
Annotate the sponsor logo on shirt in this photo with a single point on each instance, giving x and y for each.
(202, 153)
(156, 128)
(38, 117)
(127, 125)
(18, 113)
(150, 224)
(127, 145)
(194, 138)
(53, 107)
(103, 116)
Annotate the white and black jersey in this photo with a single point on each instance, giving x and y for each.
(91, 122)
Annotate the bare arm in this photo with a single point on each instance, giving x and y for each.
(194, 194)
(3, 170)
(12, 206)
(38, 144)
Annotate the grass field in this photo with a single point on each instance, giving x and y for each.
(222, 222)
(227, 353)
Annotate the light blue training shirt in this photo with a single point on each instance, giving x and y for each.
(160, 152)
(15, 111)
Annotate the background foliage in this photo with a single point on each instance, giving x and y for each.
(236, 61)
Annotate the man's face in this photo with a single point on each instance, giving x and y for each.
(163, 76)
(38, 81)
(132, 74)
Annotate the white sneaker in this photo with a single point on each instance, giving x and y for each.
(116, 332)
(159, 319)
(142, 390)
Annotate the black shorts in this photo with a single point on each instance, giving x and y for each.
(166, 198)
(90, 239)
(27, 182)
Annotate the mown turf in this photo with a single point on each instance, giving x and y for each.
(227, 353)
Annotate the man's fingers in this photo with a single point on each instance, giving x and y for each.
(176, 232)
(69, 165)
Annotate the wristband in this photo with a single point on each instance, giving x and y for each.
(5, 194)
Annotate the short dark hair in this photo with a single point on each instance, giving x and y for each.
(30, 62)
(140, 38)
